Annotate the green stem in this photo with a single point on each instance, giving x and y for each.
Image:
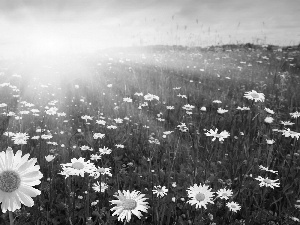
(11, 218)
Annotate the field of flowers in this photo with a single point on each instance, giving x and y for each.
(151, 136)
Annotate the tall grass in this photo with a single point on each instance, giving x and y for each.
(177, 160)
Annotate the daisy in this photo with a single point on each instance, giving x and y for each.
(84, 148)
(296, 205)
(17, 176)
(119, 146)
(214, 134)
(100, 187)
(269, 119)
(200, 195)
(20, 138)
(287, 123)
(127, 99)
(104, 151)
(267, 182)
(138, 94)
(9, 134)
(182, 96)
(101, 171)
(46, 136)
(51, 111)
(217, 101)
(98, 135)
(170, 107)
(267, 169)
(112, 127)
(35, 111)
(233, 206)
(86, 118)
(203, 109)
(61, 114)
(118, 120)
(150, 97)
(101, 122)
(95, 157)
(295, 114)
(49, 158)
(77, 167)
(168, 132)
(224, 194)
(188, 107)
(289, 133)
(270, 141)
(295, 219)
(128, 204)
(176, 88)
(182, 127)
(35, 138)
(160, 191)
(253, 95)
(221, 111)
(270, 111)
(25, 112)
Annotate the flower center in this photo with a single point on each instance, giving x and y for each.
(129, 204)
(255, 95)
(77, 165)
(233, 206)
(101, 170)
(200, 197)
(9, 181)
(268, 181)
(224, 194)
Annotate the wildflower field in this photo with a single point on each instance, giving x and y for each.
(159, 135)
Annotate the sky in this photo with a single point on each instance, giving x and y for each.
(37, 26)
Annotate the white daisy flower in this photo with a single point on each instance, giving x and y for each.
(295, 114)
(200, 195)
(17, 176)
(267, 182)
(270, 141)
(289, 133)
(267, 169)
(101, 171)
(100, 187)
(105, 150)
(188, 107)
(221, 111)
(160, 191)
(253, 95)
(224, 193)
(128, 204)
(287, 123)
(77, 167)
(98, 135)
(20, 138)
(233, 206)
(269, 119)
(214, 134)
(270, 111)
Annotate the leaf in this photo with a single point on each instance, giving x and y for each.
(276, 201)
(96, 213)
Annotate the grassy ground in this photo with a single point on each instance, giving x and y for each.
(96, 85)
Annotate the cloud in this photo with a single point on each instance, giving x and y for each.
(112, 22)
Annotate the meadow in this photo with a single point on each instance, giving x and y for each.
(157, 135)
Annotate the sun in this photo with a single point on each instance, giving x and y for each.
(50, 44)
